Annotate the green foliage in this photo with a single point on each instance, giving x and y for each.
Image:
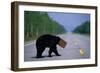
(39, 23)
(84, 28)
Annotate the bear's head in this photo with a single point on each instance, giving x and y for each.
(62, 43)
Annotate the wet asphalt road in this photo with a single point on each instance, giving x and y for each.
(75, 42)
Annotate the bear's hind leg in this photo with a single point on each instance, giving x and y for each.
(39, 53)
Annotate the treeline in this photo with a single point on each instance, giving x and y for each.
(39, 23)
(84, 28)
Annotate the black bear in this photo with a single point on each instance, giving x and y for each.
(49, 41)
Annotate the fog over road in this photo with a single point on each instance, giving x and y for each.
(75, 42)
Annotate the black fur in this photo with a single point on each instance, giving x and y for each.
(47, 41)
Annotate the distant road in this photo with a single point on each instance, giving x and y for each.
(71, 51)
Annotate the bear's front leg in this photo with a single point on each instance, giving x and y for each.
(50, 52)
(53, 49)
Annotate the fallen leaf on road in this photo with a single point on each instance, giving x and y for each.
(82, 52)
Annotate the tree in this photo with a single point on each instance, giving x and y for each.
(84, 28)
(39, 23)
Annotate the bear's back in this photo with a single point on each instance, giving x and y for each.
(47, 39)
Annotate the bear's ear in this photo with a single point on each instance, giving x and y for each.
(62, 43)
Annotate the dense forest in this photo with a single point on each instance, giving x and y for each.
(39, 23)
(84, 28)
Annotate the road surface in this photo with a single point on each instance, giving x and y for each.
(75, 42)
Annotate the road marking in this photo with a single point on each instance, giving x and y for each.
(29, 44)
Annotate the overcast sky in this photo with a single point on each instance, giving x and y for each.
(69, 20)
